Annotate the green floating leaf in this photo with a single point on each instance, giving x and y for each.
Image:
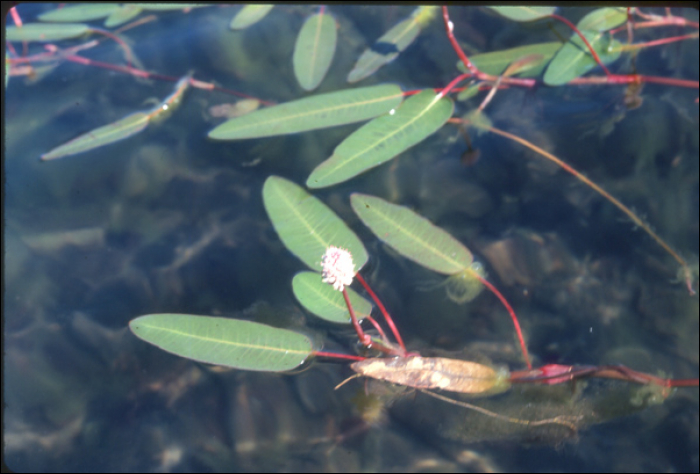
(81, 12)
(496, 62)
(523, 64)
(325, 302)
(524, 13)
(123, 128)
(425, 14)
(45, 32)
(314, 50)
(574, 59)
(386, 49)
(411, 235)
(167, 6)
(122, 15)
(383, 138)
(221, 341)
(311, 113)
(306, 226)
(249, 15)
(603, 19)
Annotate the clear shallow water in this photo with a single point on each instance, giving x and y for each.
(167, 221)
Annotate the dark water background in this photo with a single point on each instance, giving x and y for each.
(167, 221)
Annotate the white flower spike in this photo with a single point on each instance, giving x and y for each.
(338, 267)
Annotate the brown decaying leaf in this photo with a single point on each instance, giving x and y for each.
(430, 372)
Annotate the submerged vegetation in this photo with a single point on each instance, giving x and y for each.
(279, 132)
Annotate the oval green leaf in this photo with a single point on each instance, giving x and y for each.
(325, 302)
(233, 343)
(496, 62)
(123, 128)
(411, 235)
(386, 49)
(314, 50)
(426, 13)
(383, 138)
(306, 226)
(161, 7)
(45, 32)
(122, 15)
(81, 12)
(603, 19)
(249, 15)
(311, 113)
(523, 64)
(524, 13)
(574, 59)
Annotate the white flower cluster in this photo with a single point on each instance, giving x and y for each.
(338, 267)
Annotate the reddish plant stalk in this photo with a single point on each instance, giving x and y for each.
(15, 17)
(608, 79)
(129, 54)
(663, 41)
(449, 27)
(365, 339)
(553, 374)
(513, 317)
(387, 318)
(583, 38)
(56, 54)
(453, 83)
(127, 69)
(333, 355)
(378, 327)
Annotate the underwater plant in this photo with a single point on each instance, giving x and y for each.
(297, 216)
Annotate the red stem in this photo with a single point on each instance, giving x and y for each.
(505, 303)
(126, 69)
(127, 49)
(609, 79)
(453, 83)
(387, 318)
(379, 329)
(365, 339)
(333, 355)
(631, 78)
(672, 21)
(590, 48)
(552, 374)
(683, 382)
(11, 49)
(449, 26)
(470, 66)
(15, 17)
(662, 41)
(555, 374)
(670, 81)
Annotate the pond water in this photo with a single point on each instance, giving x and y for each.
(170, 221)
